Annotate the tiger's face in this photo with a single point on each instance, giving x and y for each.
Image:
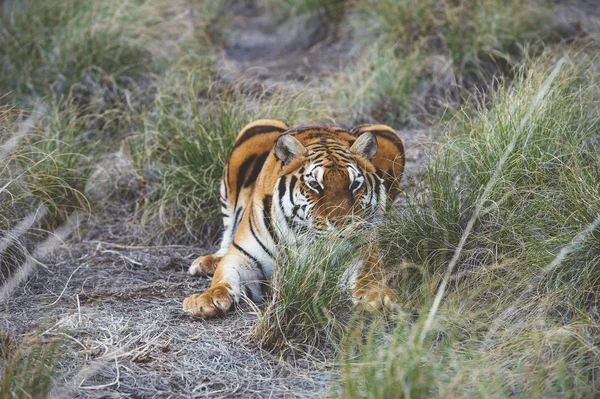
(326, 183)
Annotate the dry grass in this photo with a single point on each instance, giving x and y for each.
(117, 312)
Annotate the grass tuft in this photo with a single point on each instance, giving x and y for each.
(424, 56)
(309, 301)
(27, 367)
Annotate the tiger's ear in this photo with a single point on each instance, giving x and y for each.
(365, 146)
(288, 147)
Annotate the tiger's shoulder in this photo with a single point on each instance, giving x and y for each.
(248, 155)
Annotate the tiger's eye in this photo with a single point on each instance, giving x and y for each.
(355, 185)
(313, 183)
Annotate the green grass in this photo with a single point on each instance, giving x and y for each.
(27, 367)
(510, 315)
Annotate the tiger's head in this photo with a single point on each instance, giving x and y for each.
(326, 178)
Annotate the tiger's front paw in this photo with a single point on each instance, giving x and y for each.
(376, 299)
(213, 302)
(205, 264)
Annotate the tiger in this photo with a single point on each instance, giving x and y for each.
(280, 182)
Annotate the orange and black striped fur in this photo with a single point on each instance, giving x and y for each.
(283, 184)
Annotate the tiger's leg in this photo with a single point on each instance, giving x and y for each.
(208, 263)
(372, 292)
(251, 149)
(234, 277)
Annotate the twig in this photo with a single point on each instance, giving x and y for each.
(110, 244)
(66, 285)
(116, 381)
(78, 310)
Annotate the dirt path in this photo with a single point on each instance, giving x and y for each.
(117, 308)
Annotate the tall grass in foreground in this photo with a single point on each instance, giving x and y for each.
(26, 368)
(514, 321)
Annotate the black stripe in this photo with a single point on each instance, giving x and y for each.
(267, 216)
(295, 210)
(371, 186)
(281, 188)
(258, 164)
(263, 246)
(256, 131)
(242, 172)
(252, 258)
(293, 181)
(238, 218)
(377, 187)
(319, 190)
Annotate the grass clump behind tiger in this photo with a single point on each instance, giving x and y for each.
(285, 192)
(424, 58)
